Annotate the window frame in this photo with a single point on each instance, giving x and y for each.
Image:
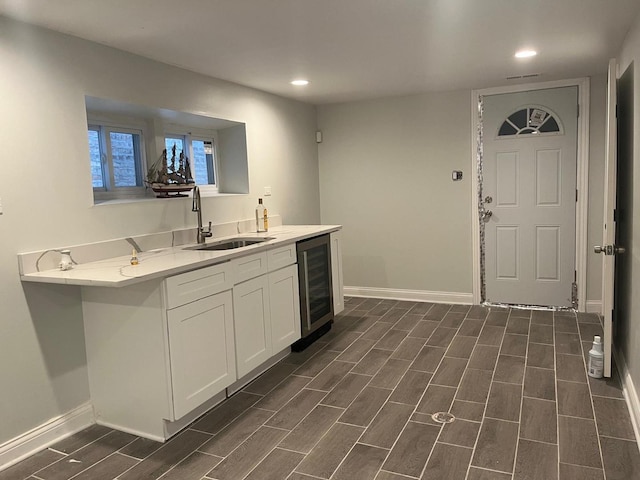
(189, 134)
(109, 190)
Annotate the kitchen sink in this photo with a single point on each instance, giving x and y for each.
(229, 244)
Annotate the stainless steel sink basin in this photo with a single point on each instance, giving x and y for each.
(229, 244)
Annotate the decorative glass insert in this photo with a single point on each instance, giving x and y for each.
(529, 121)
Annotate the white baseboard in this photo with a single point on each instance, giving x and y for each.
(594, 306)
(411, 295)
(630, 394)
(48, 433)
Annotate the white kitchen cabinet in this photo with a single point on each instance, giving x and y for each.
(336, 272)
(266, 308)
(284, 298)
(155, 369)
(252, 320)
(201, 350)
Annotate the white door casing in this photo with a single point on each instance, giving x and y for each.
(531, 179)
(582, 247)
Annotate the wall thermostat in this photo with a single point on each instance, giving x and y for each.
(456, 175)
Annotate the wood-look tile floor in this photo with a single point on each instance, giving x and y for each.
(357, 405)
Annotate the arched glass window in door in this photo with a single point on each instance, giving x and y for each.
(529, 121)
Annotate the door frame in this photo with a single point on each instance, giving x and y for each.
(582, 180)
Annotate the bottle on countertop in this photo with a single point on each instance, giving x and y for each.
(265, 220)
(596, 359)
(261, 215)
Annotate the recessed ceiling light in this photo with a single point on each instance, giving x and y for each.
(300, 83)
(526, 53)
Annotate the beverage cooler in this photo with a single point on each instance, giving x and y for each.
(316, 292)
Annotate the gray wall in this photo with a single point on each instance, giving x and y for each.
(385, 174)
(630, 335)
(47, 197)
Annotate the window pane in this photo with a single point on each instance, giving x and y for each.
(125, 156)
(519, 118)
(169, 142)
(202, 162)
(96, 159)
(550, 126)
(507, 129)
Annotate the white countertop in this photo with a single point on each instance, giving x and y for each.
(163, 262)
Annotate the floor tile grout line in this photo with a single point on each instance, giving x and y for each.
(398, 474)
(93, 465)
(130, 456)
(486, 403)
(402, 430)
(524, 373)
(593, 411)
(90, 443)
(555, 375)
(425, 392)
(617, 438)
(457, 387)
(359, 426)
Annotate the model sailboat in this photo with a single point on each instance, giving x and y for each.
(170, 179)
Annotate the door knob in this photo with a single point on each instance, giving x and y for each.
(617, 250)
(486, 215)
(609, 249)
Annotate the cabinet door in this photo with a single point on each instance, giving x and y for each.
(252, 324)
(202, 352)
(284, 296)
(336, 272)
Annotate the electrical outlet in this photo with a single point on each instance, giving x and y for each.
(267, 191)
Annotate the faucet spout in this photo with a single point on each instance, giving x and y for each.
(196, 206)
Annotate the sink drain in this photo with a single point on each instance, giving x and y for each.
(443, 417)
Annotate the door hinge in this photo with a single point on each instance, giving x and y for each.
(574, 295)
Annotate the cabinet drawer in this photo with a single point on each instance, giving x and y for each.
(249, 266)
(281, 257)
(191, 286)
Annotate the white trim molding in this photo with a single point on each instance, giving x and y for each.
(411, 295)
(594, 306)
(48, 433)
(582, 179)
(630, 394)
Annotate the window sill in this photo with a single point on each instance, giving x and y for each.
(203, 194)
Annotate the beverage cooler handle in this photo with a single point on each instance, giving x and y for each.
(306, 286)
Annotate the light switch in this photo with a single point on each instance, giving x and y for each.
(267, 191)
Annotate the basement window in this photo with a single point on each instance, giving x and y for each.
(126, 140)
(529, 121)
(201, 154)
(117, 161)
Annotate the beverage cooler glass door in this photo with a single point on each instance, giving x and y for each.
(316, 294)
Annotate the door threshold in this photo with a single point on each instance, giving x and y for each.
(528, 307)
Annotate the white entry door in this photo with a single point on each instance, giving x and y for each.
(529, 196)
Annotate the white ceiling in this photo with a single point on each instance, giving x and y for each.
(351, 49)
